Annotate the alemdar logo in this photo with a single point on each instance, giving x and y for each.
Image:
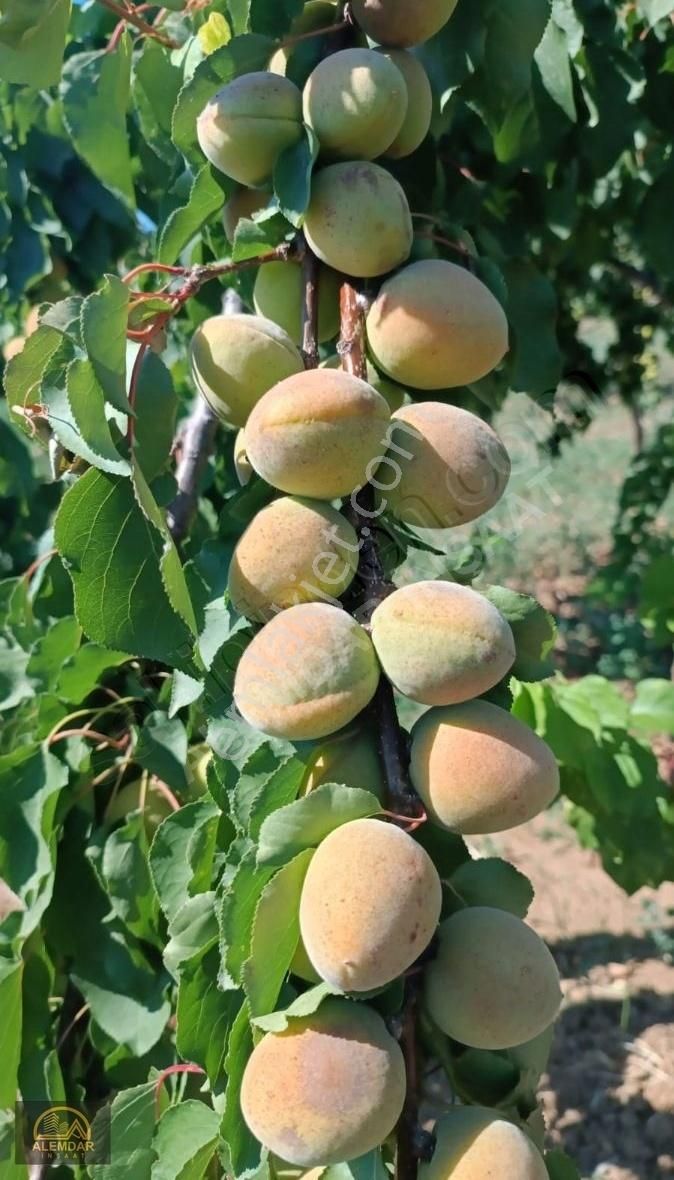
(57, 1134)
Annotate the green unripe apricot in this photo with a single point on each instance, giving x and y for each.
(478, 769)
(392, 393)
(328, 1089)
(307, 674)
(317, 434)
(293, 551)
(356, 102)
(128, 798)
(316, 14)
(434, 325)
(350, 757)
(358, 220)
(369, 906)
(473, 1143)
(242, 466)
(246, 125)
(235, 359)
(278, 294)
(417, 121)
(450, 466)
(440, 643)
(242, 204)
(494, 983)
(402, 22)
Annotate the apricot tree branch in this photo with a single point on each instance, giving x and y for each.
(131, 17)
(310, 274)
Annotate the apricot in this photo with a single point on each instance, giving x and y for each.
(478, 769)
(473, 1143)
(450, 466)
(394, 394)
(278, 293)
(248, 123)
(309, 672)
(440, 643)
(316, 14)
(417, 121)
(434, 325)
(356, 102)
(398, 22)
(317, 434)
(494, 983)
(328, 1089)
(235, 359)
(370, 905)
(242, 467)
(156, 807)
(293, 551)
(350, 757)
(358, 220)
(242, 204)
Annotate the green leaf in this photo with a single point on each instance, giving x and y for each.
(532, 313)
(560, 1166)
(104, 320)
(254, 238)
(11, 974)
(156, 83)
(95, 95)
(276, 932)
(126, 873)
(241, 56)
(132, 1124)
(305, 1005)
(205, 1015)
(514, 30)
(305, 823)
(15, 685)
(185, 1141)
(553, 60)
(172, 574)
(170, 865)
(292, 176)
(534, 631)
(192, 932)
(32, 41)
(207, 196)
(76, 408)
(493, 882)
(244, 1150)
(83, 672)
(162, 749)
(25, 371)
(655, 10)
(652, 710)
(273, 19)
(366, 1167)
(156, 408)
(238, 898)
(114, 558)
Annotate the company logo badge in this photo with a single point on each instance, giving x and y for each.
(51, 1134)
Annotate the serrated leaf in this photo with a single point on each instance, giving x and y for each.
(11, 974)
(162, 749)
(156, 83)
(126, 872)
(292, 176)
(192, 931)
(493, 882)
(276, 932)
(553, 60)
(172, 574)
(104, 320)
(245, 1153)
(113, 556)
(242, 55)
(534, 631)
(24, 372)
(204, 1015)
(76, 407)
(207, 196)
(256, 237)
(237, 902)
(170, 866)
(32, 41)
(305, 1005)
(303, 824)
(83, 672)
(185, 1141)
(132, 1122)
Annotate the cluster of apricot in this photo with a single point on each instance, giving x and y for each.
(331, 1086)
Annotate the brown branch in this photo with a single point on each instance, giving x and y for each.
(310, 274)
(131, 17)
(324, 32)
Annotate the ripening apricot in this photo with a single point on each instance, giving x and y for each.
(494, 983)
(356, 102)
(317, 434)
(358, 220)
(351, 758)
(293, 551)
(309, 672)
(447, 466)
(328, 1089)
(242, 204)
(440, 643)
(242, 467)
(473, 1143)
(236, 358)
(246, 125)
(478, 769)
(278, 293)
(394, 394)
(369, 906)
(401, 23)
(417, 121)
(434, 325)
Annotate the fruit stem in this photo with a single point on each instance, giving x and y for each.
(339, 27)
(311, 276)
(131, 17)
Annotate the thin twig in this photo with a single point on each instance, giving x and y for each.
(168, 1072)
(131, 17)
(324, 32)
(311, 275)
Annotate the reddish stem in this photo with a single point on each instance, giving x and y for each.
(162, 789)
(160, 266)
(86, 732)
(27, 574)
(130, 17)
(327, 29)
(173, 1069)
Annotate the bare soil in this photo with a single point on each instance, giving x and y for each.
(609, 1094)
